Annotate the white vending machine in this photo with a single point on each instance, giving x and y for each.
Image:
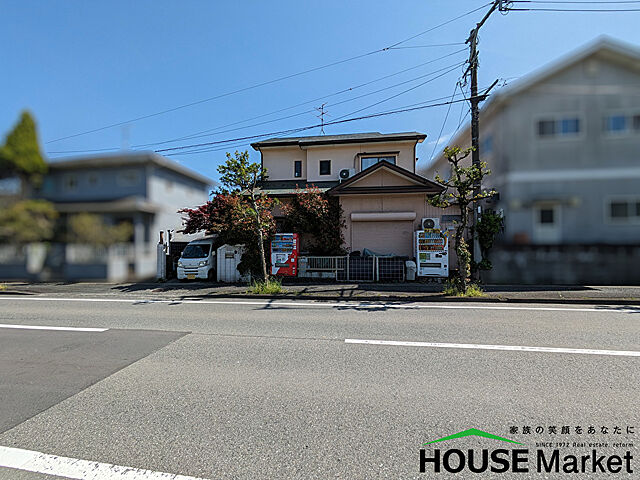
(431, 249)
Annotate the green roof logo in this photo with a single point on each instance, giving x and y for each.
(471, 433)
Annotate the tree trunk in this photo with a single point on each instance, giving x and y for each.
(462, 250)
(263, 260)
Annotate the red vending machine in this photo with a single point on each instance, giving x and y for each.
(284, 254)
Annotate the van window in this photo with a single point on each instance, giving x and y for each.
(196, 251)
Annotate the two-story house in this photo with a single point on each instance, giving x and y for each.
(563, 145)
(372, 174)
(142, 188)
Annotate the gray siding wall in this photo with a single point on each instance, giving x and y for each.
(583, 172)
(95, 184)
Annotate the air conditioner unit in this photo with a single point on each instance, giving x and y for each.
(347, 173)
(428, 223)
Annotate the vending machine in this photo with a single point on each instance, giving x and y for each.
(284, 254)
(431, 248)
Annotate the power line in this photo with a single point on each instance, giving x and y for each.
(403, 92)
(446, 117)
(439, 25)
(300, 129)
(578, 10)
(324, 97)
(427, 46)
(576, 1)
(614, 4)
(219, 131)
(261, 84)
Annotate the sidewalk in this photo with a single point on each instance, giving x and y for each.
(414, 292)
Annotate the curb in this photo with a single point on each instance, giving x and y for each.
(417, 298)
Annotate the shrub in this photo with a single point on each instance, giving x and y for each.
(452, 289)
(266, 287)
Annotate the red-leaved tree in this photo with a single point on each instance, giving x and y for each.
(238, 213)
(312, 212)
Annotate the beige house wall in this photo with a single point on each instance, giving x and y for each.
(279, 160)
(348, 156)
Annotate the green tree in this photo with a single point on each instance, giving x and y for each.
(90, 229)
(20, 155)
(237, 174)
(488, 226)
(458, 193)
(27, 221)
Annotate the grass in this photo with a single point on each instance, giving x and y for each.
(266, 287)
(473, 290)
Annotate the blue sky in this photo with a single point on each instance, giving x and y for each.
(79, 65)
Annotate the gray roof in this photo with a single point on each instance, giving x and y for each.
(128, 159)
(340, 139)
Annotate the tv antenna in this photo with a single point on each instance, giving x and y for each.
(321, 117)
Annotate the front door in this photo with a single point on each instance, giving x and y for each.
(547, 225)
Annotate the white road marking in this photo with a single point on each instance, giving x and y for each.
(515, 348)
(38, 462)
(363, 304)
(43, 327)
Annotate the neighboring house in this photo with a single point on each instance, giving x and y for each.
(373, 175)
(563, 145)
(142, 188)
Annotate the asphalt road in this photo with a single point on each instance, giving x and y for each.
(259, 389)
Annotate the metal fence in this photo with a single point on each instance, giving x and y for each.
(359, 269)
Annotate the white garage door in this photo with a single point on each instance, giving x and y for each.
(383, 237)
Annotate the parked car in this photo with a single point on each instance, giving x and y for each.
(198, 260)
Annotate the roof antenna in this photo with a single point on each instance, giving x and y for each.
(321, 117)
(126, 130)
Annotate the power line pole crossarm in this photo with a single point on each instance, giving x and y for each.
(475, 100)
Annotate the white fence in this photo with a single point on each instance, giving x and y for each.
(359, 269)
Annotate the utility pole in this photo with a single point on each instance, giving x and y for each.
(475, 114)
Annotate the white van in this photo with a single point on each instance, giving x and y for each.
(198, 260)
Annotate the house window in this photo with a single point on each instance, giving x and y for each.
(367, 162)
(297, 168)
(615, 123)
(562, 127)
(70, 183)
(546, 216)
(621, 123)
(93, 179)
(486, 146)
(128, 178)
(624, 210)
(570, 126)
(619, 209)
(325, 167)
(546, 128)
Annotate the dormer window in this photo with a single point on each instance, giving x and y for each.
(368, 161)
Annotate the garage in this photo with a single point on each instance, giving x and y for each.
(385, 237)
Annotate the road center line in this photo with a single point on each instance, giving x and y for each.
(44, 327)
(38, 462)
(515, 348)
(352, 304)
